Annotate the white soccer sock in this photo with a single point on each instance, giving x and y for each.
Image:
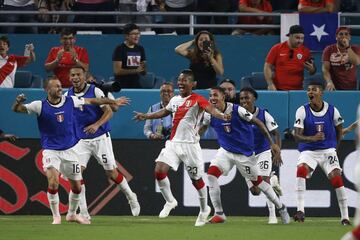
(203, 198)
(342, 200)
(54, 203)
(271, 208)
(270, 194)
(215, 193)
(73, 202)
(165, 189)
(125, 188)
(357, 211)
(82, 203)
(300, 193)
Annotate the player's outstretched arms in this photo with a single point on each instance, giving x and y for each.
(139, 116)
(122, 101)
(216, 113)
(350, 128)
(18, 105)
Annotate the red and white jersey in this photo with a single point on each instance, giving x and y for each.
(187, 115)
(8, 66)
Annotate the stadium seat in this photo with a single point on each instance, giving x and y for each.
(257, 81)
(23, 79)
(37, 81)
(245, 82)
(158, 82)
(148, 80)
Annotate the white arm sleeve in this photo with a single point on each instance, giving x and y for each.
(169, 106)
(300, 117)
(110, 96)
(78, 101)
(206, 120)
(270, 122)
(337, 117)
(99, 93)
(244, 114)
(34, 107)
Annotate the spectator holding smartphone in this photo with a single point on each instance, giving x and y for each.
(205, 59)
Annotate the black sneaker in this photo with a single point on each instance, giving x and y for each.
(299, 216)
(345, 222)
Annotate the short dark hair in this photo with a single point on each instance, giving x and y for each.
(317, 83)
(189, 73)
(220, 89)
(130, 27)
(228, 80)
(167, 84)
(78, 67)
(48, 79)
(5, 39)
(250, 90)
(67, 31)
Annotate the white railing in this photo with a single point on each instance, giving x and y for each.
(192, 19)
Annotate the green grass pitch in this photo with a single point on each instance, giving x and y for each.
(172, 228)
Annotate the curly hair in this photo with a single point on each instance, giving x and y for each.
(195, 52)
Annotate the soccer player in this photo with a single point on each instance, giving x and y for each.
(318, 129)
(56, 123)
(93, 129)
(355, 233)
(236, 140)
(188, 109)
(248, 96)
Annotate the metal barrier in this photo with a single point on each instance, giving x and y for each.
(192, 19)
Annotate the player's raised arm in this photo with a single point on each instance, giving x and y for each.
(18, 105)
(216, 113)
(139, 116)
(121, 101)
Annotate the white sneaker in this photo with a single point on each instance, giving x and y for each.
(202, 217)
(134, 205)
(56, 220)
(274, 182)
(167, 208)
(85, 215)
(272, 220)
(77, 218)
(285, 218)
(348, 236)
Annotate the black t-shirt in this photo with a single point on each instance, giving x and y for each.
(130, 59)
(204, 75)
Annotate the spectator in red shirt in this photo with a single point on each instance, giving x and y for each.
(61, 59)
(10, 63)
(254, 6)
(318, 6)
(285, 63)
(340, 61)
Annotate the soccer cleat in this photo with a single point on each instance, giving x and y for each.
(217, 218)
(202, 217)
(299, 216)
(167, 208)
(134, 205)
(272, 220)
(77, 218)
(274, 182)
(345, 222)
(56, 220)
(85, 215)
(285, 218)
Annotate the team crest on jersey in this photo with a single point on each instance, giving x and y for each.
(319, 126)
(188, 103)
(299, 56)
(60, 117)
(227, 128)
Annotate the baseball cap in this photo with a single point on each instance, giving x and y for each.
(342, 28)
(227, 80)
(294, 29)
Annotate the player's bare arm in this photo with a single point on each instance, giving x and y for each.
(18, 105)
(107, 114)
(121, 101)
(350, 128)
(339, 133)
(276, 136)
(216, 113)
(300, 137)
(275, 149)
(139, 116)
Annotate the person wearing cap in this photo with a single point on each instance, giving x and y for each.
(230, 90)
(285, 63)
(62, 58)
(129, 59)
(340, 61)
(318, 6)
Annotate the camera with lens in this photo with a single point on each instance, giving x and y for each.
(107, 87)
(206, 45)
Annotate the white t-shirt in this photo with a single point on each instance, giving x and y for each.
(301, 114)
(35, 106)
(187, 115)
(10, 78)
